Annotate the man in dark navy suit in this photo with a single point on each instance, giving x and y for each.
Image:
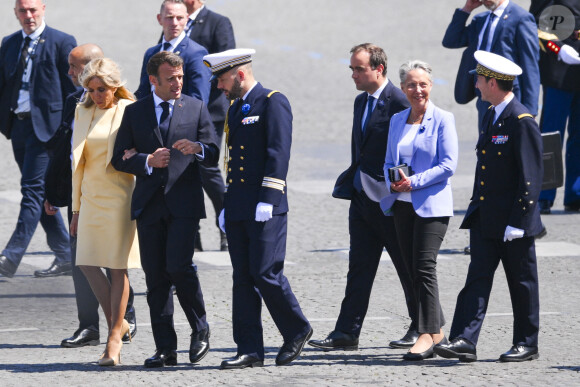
(503, 217)
(214, 32)
(33, 86)
(162, 140)
(259, 135)
(173, 18)
(505, 29)
(58, 194)
(364, 184)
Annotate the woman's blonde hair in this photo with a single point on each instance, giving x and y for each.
(109, 73)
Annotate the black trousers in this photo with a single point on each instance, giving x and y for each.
(166, 247)
(420, 240)
(370, 232)
(519, 262)
(87, 303)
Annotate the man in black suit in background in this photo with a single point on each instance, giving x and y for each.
(30, 113)
(364, 184)
(58, 189)
(214, 32)
(162, 140)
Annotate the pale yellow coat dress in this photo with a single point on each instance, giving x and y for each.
(106, 234)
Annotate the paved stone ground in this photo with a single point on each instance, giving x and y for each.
(303, 51)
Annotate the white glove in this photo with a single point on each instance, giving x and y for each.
(568, 55)
(222, 221)
(263, 212)
(512, 233)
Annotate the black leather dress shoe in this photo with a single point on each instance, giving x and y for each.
(459, 348)
(223, 241)
(337, 340)
(132, 320)
(55, 270)
(407, 341)
(241, 361)
(82, 338)
(199, 345)
(7, 268)
(520, 353)
(291, 349)
(574, 207)
(162, 358)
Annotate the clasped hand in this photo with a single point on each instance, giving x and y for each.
(403, 185)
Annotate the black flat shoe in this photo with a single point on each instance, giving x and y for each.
(458, 348)
(291, 350)
(162, 358)
(407, 341)
(520, 353)
(241, 361)
(337, 340)
(427, 354)
(81, 338)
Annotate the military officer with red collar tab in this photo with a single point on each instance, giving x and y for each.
(503, 217)
(258, 138)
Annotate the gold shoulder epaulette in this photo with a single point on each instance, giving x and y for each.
(272, 92)
(525, 115)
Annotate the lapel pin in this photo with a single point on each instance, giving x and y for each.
(505, 17)
(180, 105)
(41, 41)
(177, 52)
(245, 108)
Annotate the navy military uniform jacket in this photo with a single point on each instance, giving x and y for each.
(258, 142)
(508, 176)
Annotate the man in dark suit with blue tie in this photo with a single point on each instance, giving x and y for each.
(162, 140)
(173, 18)
(503, 217)
(505, 29)
(33, 86)
(214, 32)
(259, 135)
(363, 183)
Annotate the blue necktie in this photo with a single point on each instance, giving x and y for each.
(370, 104)
(164, 121)
(166, 46)
(485, 38)
(189, 27)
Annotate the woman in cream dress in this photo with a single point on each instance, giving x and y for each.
(106, 235)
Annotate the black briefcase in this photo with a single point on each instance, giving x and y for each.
(552, 158)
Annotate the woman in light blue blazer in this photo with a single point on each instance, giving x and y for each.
(424, 138)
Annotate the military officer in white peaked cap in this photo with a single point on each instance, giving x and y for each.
(258, 137)
(503, 217)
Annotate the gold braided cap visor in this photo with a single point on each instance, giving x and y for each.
(482, 70)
